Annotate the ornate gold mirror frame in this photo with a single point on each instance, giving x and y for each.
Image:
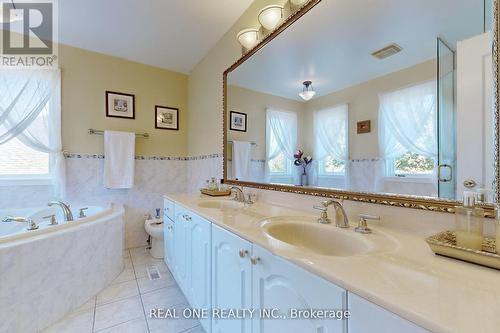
(405, 201)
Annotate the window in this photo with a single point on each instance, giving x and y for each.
(411, 164)
(331, 141)
(281, 139)
(19, 161)
(408, 131)
(331, 166)
(30, 130)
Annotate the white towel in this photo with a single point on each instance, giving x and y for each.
(119, 151)
(241, 160)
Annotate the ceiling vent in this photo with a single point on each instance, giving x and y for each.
(387, 51)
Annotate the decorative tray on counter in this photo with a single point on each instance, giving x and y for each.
(445, 244)
(215, 193)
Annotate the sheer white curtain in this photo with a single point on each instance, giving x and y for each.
(408, 121)
(30, 110)
(331, 137)
(281, 137)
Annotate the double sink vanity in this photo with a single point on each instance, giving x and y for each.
(226, 254)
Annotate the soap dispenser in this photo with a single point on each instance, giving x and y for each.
(469, 223)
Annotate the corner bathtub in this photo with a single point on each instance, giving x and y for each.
(49, 272)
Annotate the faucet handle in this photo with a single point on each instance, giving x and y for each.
(321, 208)
(362, 227)
(52, 218)
(82, 212)
(369, 217)
(31, 225)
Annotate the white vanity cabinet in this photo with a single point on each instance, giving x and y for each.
(280, 284)
(245, 276)
(231, 279)
(368, 317)
(191, 260)
(216, 270)
(168, 236)
(198, 258)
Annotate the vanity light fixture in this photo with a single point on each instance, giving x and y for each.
(270, 16)
(248, 38)
(14, 15)
(307, 91)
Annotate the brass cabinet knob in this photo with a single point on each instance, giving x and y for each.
(243, 253)
(254, 260)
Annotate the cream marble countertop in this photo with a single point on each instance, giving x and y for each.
(437, 293)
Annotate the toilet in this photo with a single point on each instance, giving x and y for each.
(154, 228)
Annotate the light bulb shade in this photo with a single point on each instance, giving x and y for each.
(307, 95)
(307, 91)
(271, 16)
(298, 2)
(248, 38)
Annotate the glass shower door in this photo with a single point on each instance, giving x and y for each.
(446, 172)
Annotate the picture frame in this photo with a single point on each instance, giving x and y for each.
(364, 126)
(237, 121)
(120, 105)
(166, 118)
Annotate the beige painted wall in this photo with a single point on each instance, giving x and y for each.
(205, 86)
(363, 105)
(254, 104)
(87, 75)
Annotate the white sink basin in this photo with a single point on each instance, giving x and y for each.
(305, 234)
(221, 204)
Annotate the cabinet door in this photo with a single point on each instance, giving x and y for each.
(168, 236)
(368, 317)
(180, 248)
(278, 284)
(199, 264)
(231, 279)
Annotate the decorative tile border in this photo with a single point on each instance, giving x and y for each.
(145, 158)
(365, 160)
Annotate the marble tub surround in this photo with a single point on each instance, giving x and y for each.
(436, 293)
(48, 275)
(124, 305)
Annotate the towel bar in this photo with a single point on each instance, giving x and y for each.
(98, 132)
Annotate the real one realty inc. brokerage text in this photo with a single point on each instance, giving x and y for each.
(270, 313)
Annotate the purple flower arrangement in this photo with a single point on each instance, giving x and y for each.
(302, 161)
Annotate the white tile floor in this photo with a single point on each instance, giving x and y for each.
(124, 306)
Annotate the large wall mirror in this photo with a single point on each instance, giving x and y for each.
(388, 101)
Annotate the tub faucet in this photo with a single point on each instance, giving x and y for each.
(338, 208)
(31, 224)
(68, 216)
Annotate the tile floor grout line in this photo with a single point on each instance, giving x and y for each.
(107, 328)
(95, 310)
(140, 295)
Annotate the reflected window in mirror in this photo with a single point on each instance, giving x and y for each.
(281, 142)
(408, 130)
(331, 149)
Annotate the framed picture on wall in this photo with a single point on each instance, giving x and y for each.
(120, 105)
(166, 118)
(238, 121)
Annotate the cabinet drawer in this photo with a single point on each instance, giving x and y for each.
(168, 209)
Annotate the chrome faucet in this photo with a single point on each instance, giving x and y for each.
(68, 215)
(31, 224)
(338, 209)
(240, 196)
